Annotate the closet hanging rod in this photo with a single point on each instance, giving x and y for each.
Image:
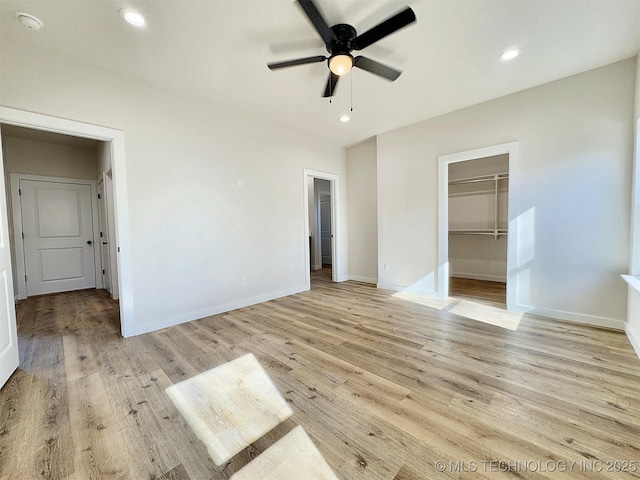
(493, 233)
(482, 178)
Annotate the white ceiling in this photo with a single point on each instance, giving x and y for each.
(218, 50)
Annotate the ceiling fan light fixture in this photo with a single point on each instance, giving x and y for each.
(341, 63)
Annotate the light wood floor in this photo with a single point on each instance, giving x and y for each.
(481, 291)
(385, 388)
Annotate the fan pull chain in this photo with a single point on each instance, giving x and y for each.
(351, 78)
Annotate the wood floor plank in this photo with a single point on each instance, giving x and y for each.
(96, 443)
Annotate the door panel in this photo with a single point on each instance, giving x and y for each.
(9, 357)
(58, 236)
(61, 264)
(58, 213)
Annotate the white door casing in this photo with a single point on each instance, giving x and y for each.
(121, 251)
(58, 236)
(104, 236)
(9, 356)
(513, 285)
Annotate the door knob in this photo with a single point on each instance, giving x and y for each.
(89, 242)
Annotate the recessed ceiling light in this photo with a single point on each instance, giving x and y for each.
(132, 17)
(509, 54)
(29, 21)
(345, 118)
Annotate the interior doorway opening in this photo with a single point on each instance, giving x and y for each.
(478, 228)
(321, 207)
(500, 219)
(62, 212)
(111, 148)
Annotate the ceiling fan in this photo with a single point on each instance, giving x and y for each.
(342, 39)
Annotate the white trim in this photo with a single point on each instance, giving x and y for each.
(512, 149)
(579, 318)
(634, 338)
(207, 312)
(335, 243)
(48, 123)
(358, 278)
(16, 203)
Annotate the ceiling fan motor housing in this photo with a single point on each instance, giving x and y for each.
(343, 44)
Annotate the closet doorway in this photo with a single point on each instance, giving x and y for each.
(477, 237)
(478, 228)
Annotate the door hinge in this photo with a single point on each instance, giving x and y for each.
(23, 235)
(25, 278)
(103, 271)
(100, 234)
(20, 192)
(98, 196)
(118, 249)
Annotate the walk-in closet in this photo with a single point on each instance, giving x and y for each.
(478, 228)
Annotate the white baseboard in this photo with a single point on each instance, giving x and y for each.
(634, 338)
(412, 290)
(358, 278)
(214, 310)
(580, 318)
(473, 276)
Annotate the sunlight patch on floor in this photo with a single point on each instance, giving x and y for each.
(487, 314)
(437, 303)
(498, 317)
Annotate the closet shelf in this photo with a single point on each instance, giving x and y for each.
(495, 178)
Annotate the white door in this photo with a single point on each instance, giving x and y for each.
(58, 236)
(104, 237)
(325, 228)
(8, 336)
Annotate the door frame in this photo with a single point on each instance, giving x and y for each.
(16, 205)
(102, 200)
(22, 118)
(513, 150)
(334, 180)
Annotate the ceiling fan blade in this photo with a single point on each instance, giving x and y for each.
(330, 89)
(389, 26)
(376, 68)
(299, 61)
(318, 21)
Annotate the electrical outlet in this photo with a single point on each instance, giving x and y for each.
(386, 267)
(240, 182)
(243, 282)
(160, 227)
